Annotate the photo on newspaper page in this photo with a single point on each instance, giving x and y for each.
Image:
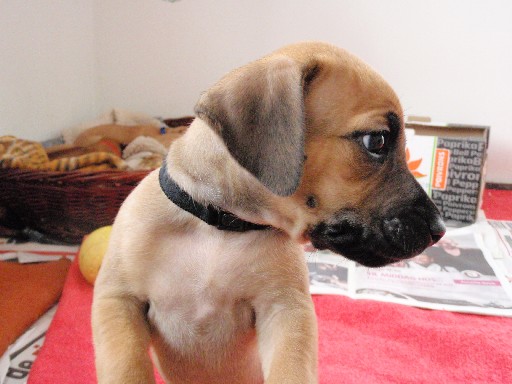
(455, 274)
(328, 272)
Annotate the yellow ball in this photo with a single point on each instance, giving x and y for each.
(91, 252)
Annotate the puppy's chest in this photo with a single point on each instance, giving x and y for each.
(201, 305)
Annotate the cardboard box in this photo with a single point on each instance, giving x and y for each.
(448, 160)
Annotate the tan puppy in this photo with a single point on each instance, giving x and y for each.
(309, 141)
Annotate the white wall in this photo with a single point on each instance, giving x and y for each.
(451, 59)
(47, 66)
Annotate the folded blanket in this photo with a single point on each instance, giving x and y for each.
(26, 292)
(144, 153)
(361, 341)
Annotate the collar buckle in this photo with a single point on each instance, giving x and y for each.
(223, 220)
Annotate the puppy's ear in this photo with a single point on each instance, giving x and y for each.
(258, 110)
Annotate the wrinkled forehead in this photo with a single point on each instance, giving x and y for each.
(345, 98)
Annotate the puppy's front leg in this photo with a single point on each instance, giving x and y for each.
(287, 341)
(121, 338)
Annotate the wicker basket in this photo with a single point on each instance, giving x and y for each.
(65, 206)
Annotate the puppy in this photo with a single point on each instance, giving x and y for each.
(205, 265)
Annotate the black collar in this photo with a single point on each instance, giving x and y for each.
(209, 214)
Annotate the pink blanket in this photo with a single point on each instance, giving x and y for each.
(361, 341)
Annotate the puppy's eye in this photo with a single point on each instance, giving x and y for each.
(376, 142)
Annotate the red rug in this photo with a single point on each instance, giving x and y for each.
(360, 341)
(497, 204)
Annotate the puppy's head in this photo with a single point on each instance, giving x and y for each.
(316, 125)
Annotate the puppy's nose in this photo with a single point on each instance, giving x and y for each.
(437, 229)
(408, 232)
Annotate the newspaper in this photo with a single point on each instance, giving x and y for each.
(16, 362)
(458, 274)
(34, 252)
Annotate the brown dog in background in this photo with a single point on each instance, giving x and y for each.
(309, 142)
